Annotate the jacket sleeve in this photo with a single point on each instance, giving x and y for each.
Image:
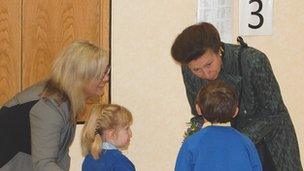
(46, 125)
(268, 99)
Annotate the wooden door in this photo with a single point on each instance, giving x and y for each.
(10, 49)
(33, 33)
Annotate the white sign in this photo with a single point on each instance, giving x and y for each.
(255, 17)
(218, 13)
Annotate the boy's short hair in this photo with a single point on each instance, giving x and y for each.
(217, 101)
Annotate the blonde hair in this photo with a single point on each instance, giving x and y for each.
(74, 68)
(102, 118)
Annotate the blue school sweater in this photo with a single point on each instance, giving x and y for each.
(218, 148)
(111, 160)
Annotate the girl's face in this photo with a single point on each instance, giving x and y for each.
(122, 137)
(207, 66)
(95, 85)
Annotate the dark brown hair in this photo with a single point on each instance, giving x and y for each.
(217, 101)
(194, 41)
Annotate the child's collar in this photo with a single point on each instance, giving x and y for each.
(216, 124)
(108, 146)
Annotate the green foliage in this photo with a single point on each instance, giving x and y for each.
(194, 125)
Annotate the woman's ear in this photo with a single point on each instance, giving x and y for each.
(198, 109)
(236, 112)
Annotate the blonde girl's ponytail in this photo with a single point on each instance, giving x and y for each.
(96, 147)
(91, 139)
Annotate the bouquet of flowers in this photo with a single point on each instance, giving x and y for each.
(194, 125)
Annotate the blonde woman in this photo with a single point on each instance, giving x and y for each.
(105, 133)
(37, 126)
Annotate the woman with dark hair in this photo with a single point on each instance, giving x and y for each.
(37, 125)
(263, 116)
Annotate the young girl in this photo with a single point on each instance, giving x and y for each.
(107, 131)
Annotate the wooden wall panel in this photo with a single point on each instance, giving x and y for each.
(51, 25)
(105, 24)
(105, 37)
(33, 33)
(10, 49)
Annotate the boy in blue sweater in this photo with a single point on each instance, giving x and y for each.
(104, 134)
(217, 147)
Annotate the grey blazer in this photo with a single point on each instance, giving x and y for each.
(45, 130)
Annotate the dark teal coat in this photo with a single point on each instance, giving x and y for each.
(262, 116)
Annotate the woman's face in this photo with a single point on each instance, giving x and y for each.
(95, 85)
(207, 66)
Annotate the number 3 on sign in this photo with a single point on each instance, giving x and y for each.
(258, 14)
(255, 17)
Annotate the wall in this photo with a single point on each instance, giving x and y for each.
(147, 81)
